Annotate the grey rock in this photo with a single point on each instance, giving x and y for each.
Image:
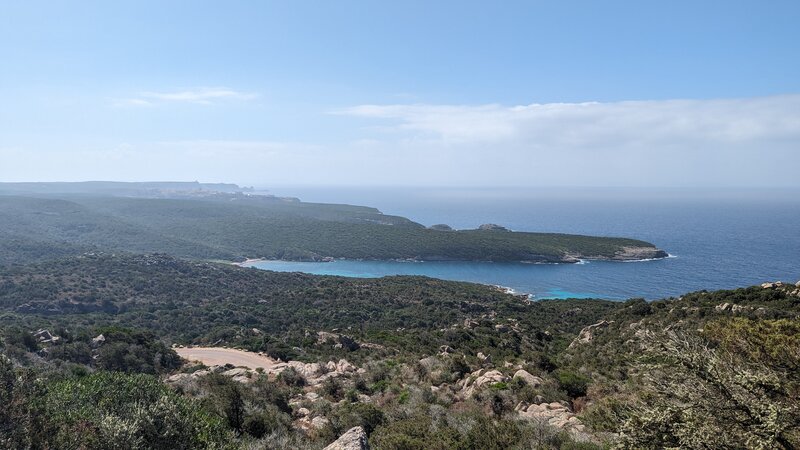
(481, 380)
(98, 340)
(45, 337)
(492, 227)
(354, 439)
(557, 415)
(338, 340)
(319, 422)
(587, 333)
(530, 380)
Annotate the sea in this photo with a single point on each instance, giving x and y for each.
(717, 239)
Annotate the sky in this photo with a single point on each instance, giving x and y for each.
(412, 93)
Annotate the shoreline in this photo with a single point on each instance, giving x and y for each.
(248, 261)
(577, 261)
(527, 294)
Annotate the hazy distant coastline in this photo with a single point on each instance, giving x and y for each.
(195, 220)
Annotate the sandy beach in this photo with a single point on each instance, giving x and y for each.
(215, 356)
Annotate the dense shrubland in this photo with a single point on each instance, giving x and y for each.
(235, 227)
(443, 364)
(281, 313)
(708, 370)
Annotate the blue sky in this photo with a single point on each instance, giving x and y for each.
(452, 93)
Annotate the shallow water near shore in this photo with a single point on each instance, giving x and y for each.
(718, 239)
(540, 280)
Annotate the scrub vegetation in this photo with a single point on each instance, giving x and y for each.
(235, 227)
(88, 362)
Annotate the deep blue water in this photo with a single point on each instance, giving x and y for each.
(721, 239)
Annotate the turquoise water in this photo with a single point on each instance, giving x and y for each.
(589, 280)
(560, 293)
(718, 240)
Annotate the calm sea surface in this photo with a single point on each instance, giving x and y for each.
(718, 239)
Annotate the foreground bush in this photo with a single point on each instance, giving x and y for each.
(734, 390)
(115, 410)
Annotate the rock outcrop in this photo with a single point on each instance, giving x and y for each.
(354, 439)
(732, 307)
(587, 334)
(479, 379)
(313, 373)
(240, 374)
(98, 340)
(639, 253)
(530, 380)
(310, 424)
(492, 227)
(45, 337)
(789, 288)
(557, 415)
(337, 340)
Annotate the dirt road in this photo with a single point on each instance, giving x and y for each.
(215, 356)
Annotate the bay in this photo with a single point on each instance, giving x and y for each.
(717, 239)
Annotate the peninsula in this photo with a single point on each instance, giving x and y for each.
(226, 222)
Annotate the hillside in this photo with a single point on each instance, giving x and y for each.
(120, 189)
(706, 370)
(207, 224)
(202, 303)
(100, 317)
(415, 362)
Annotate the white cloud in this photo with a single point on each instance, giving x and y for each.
(711, 143)
(559, 125)
(726, 142)
(201, 96)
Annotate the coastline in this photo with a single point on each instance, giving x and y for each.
(568, 259)
(248, 262)
(511, 278)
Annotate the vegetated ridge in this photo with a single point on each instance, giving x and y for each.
(194, 221)
(398, 362)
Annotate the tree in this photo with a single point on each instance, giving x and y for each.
(701, 393)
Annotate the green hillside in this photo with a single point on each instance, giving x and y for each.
(202, 303)
(707, 370)
(235, 227)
